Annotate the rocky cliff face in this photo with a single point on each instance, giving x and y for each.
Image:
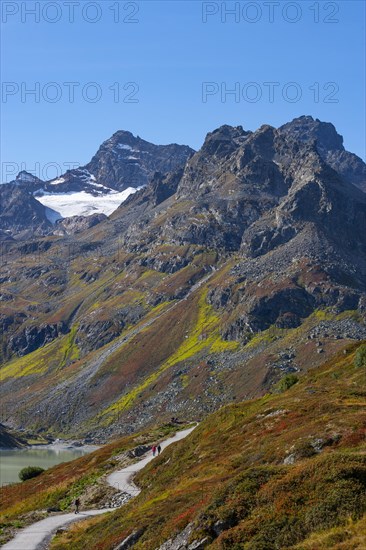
(8, 440)
(205, 286)
(329, 144)
(128, 161)
(21, 214)
(122, 162)
(237, 177)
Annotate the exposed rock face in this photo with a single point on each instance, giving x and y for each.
(270, 194)
(131, 540)
(34, 337)
(139, 451)
(258, 231)
(93, 334)
(101, 327)
(28, 181)
(21, 214)
(8, 440)
(76, 224)
(181, 541)
(122, 161)
(162, 187)
(305, 128)
(238, 177)
(128, 161)
(330, 146)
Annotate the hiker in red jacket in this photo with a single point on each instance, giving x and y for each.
(154, 450)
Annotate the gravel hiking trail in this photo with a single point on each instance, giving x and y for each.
(36, 535)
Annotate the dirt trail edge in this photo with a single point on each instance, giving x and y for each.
(32, 537)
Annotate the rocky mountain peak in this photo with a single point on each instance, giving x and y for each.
(223, 140)
(126, 160)
(122, 164)
(256, 231)
(121, 135)
(120, 139)
(236, 176)
(329, 145)
(306, 128)
(21, 213)
(26, 177)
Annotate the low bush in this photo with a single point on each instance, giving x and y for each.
(29, 472)
(286, 382)
(360, 357)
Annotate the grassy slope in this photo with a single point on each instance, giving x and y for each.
(113, 289)
(205, 321)
(60, 485)
(142, 369)
(231, 470)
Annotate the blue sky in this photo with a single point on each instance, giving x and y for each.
(172, 64)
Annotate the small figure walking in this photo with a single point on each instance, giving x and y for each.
(159, 449)
(77, 504)
(154, 450)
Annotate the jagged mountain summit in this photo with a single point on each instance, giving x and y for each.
(203, 287)
(122, 164)
(330, 147)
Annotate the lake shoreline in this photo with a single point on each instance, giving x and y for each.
(64, 445)
(45, 456)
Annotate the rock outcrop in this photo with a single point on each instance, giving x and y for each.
(189, 294)
(21, 214)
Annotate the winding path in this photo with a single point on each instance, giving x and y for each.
(32, 537)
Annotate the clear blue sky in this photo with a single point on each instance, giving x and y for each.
(169, 52)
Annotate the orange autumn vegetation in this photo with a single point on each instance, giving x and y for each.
(285, 471)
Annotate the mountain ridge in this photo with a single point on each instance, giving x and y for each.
(203, 287)
(122, 164)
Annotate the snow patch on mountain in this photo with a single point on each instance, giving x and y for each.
(57, 181)
(85, 175)
(123, 146)
(64, 205)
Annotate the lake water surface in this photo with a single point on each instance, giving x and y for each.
(12, 461)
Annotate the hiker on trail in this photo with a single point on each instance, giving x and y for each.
(159, 449)
(153, 450)
(77, 504)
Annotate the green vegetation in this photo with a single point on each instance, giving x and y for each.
(233, 480)
(69, 348)
(273, 507)
(39, 362)
(285, 471)
(360, 357)
(286, 382)
(266, 336)
(30, 471)
(205, 335)
(57, 487)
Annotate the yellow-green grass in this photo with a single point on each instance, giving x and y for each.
(232, 470)
(204, 336)
(69, 348)
(42, 360)
(350, 536)
(288, 336)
